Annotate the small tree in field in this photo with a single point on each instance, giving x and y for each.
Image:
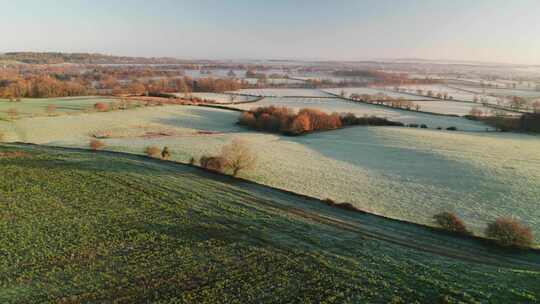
(165, 153)
(509, 232)
(450, 222)
(152, 151)
(101, 106)
(213, 163)
(96, 144)
(476, 112)
(238, 156)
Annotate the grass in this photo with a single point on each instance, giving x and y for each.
(30, 107)
(100, 227)
(403, 173)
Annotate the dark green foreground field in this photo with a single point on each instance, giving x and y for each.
(79, 226)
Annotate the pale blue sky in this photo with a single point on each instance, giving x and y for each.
(487, 30)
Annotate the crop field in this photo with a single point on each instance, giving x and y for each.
(283, 92)
(331, 105)
(373, 91)
(29, 107)
(403, 173)
(125, 229)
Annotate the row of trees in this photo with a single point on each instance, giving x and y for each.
(235, 157)
(386, 100)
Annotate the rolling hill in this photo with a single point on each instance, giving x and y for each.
(95, 227)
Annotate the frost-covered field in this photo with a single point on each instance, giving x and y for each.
(458, 95)
(331, 105)
(274, 81)
(38, 106)
(217, 97)
(399, 172)
(529, 94)
(372, 91)
(283, 92)
(453, 107)
(525, 85)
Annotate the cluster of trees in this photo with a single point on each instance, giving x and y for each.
(56, 58)
(53, 84)
(386, 100)
(526, 123)
(285, 121)
(41, 86)
(235, 157)
(156, 152)
(506, 231)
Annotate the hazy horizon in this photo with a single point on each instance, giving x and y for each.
(483, 31)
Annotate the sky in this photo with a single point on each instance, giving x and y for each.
(479, 30)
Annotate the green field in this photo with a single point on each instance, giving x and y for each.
(31, 107)
(101, 227)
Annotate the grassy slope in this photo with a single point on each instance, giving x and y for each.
(97, 227)
(31, 107)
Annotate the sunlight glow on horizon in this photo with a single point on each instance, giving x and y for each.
(480, 30)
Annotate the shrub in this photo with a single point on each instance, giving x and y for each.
(451, 129)
(247, 119)
(450, 222)
(165, 153)
(96, 144)
(101, 106)
(329, 202)
(152, 151)
(510, 232)
(214, 163)
(238, 156)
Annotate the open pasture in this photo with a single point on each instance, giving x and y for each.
(29, 107)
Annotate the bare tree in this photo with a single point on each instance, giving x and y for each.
(238, 156)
